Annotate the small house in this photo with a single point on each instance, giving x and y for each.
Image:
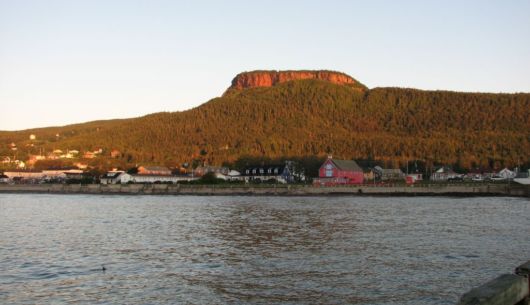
(112, 177)
(4, 178)
(444, 173)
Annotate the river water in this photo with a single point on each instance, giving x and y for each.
(255, 250)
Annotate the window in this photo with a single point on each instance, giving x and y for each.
(276, 170)
(261, 171)
(329, 170)
(269, 171)
(248, 171)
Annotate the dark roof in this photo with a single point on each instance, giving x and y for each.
(111, 175)
(348, 165)
(3, 176)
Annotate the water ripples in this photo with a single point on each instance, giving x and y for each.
(254, 250)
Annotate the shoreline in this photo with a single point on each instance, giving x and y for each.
(488, 190)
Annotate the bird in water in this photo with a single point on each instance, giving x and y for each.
(103, 268)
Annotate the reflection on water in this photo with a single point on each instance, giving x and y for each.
(254, 250)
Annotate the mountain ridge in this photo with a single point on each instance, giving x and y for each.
(309, 117)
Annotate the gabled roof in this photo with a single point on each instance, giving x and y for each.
(348, 165)
(265, 169)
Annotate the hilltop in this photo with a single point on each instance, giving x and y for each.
(269, 114)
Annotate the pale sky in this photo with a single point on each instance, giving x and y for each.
(65, 62)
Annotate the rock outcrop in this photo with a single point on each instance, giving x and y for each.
(270, 78)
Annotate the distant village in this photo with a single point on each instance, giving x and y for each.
(332, 172)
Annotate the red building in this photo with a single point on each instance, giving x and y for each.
(334, 172)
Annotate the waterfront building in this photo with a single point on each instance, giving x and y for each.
(282, 173)
(444, 173)
(111, 177)
(4, 178)
(145, 178)
(336, 172)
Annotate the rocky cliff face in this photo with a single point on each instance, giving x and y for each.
(270, 78)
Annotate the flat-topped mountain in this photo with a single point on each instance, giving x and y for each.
(286, 114)
(253, 79)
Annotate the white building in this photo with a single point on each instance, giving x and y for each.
(24, 174)
(506, 174)
(135, 178)
(112, 177)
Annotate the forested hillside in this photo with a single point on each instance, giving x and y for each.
(308, 118)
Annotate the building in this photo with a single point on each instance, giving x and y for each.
(279, 173)
(24, 174)
(444, 173)
(115, 153)
(112, 177)
(389, 174)
(154, 170)
(413, 178)
(60, 172)
(143, 178)
(333, 172)
(233, 175)
(89, 155)
(4, 178)
(202, 170)
(507, 174)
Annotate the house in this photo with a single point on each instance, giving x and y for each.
(233, 175)
(280, 173)
(145, 178)
(333, 172)
(60, 172)
(111, 177)
(115, 153)
(4, 178)
(389, 174)
(506, 174)
(154, 170)
(444, 173)
(202, 170)
(24, 174)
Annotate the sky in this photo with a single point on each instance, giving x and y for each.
(64, 62)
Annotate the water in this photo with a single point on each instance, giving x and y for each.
(255, 250)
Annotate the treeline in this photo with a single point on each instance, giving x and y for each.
(310, 118)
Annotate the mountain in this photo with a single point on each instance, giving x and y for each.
(283, 114)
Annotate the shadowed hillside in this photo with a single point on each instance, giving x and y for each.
(309, 117)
